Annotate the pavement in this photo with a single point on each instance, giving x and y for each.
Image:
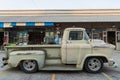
(108, 73)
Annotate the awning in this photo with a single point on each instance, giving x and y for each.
(28, 24)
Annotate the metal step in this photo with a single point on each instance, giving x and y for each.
(53, 62)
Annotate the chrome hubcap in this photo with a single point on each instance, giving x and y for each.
(94, 64)
(29, 65)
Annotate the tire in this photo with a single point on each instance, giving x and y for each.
(93, 65)
(29, 66)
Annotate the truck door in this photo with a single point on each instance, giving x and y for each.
(73, 46)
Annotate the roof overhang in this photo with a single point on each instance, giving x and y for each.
(110, 15)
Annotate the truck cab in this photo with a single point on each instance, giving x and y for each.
(74, 40)
(76, 52)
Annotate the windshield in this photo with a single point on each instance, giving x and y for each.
(86, 36)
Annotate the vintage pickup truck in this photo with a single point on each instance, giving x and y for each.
(76, 52)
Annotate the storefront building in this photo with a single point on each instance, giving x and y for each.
(27, 27)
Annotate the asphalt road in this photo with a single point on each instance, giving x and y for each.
(107, 73)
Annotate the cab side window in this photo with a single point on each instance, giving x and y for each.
(76, 35)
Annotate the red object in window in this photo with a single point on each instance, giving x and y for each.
(6, 39)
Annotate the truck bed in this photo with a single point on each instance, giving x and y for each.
(37, 46)
(52, 51)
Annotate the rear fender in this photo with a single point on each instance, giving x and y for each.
(17, 57)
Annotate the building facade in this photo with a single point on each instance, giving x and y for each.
(26, 27)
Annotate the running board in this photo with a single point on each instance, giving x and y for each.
(60, 68)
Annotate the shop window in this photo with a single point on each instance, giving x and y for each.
(35, 37)
(13, 37)
(53, 35)
(96, 36)
(1, 38)
(23, 38)
(49, 38)
(104, 36)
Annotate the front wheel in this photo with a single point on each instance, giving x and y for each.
(93, 65)
(29, 66)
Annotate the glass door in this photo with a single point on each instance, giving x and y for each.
(117, 40)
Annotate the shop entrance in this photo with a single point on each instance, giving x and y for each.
(35, 38)
(1, 38)
(111, 37)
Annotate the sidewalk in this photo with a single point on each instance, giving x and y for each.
(2, 51)
(116, 57)
(116, 51)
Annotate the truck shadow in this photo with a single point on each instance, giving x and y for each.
(111, 70)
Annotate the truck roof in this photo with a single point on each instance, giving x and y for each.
(74, 28)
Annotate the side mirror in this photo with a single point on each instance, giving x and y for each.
(89, 41)
(70, 38)
(68, 41)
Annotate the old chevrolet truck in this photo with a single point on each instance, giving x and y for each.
(74, 53)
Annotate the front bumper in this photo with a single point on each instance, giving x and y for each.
(111, 62)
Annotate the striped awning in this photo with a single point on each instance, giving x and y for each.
(28, 24)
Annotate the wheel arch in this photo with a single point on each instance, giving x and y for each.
(103, 58)
(19, 63)
(40, 62)
(24, 60)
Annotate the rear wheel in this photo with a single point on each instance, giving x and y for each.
(93, 65)
(29, 66)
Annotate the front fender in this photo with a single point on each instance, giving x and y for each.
(81, 64)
